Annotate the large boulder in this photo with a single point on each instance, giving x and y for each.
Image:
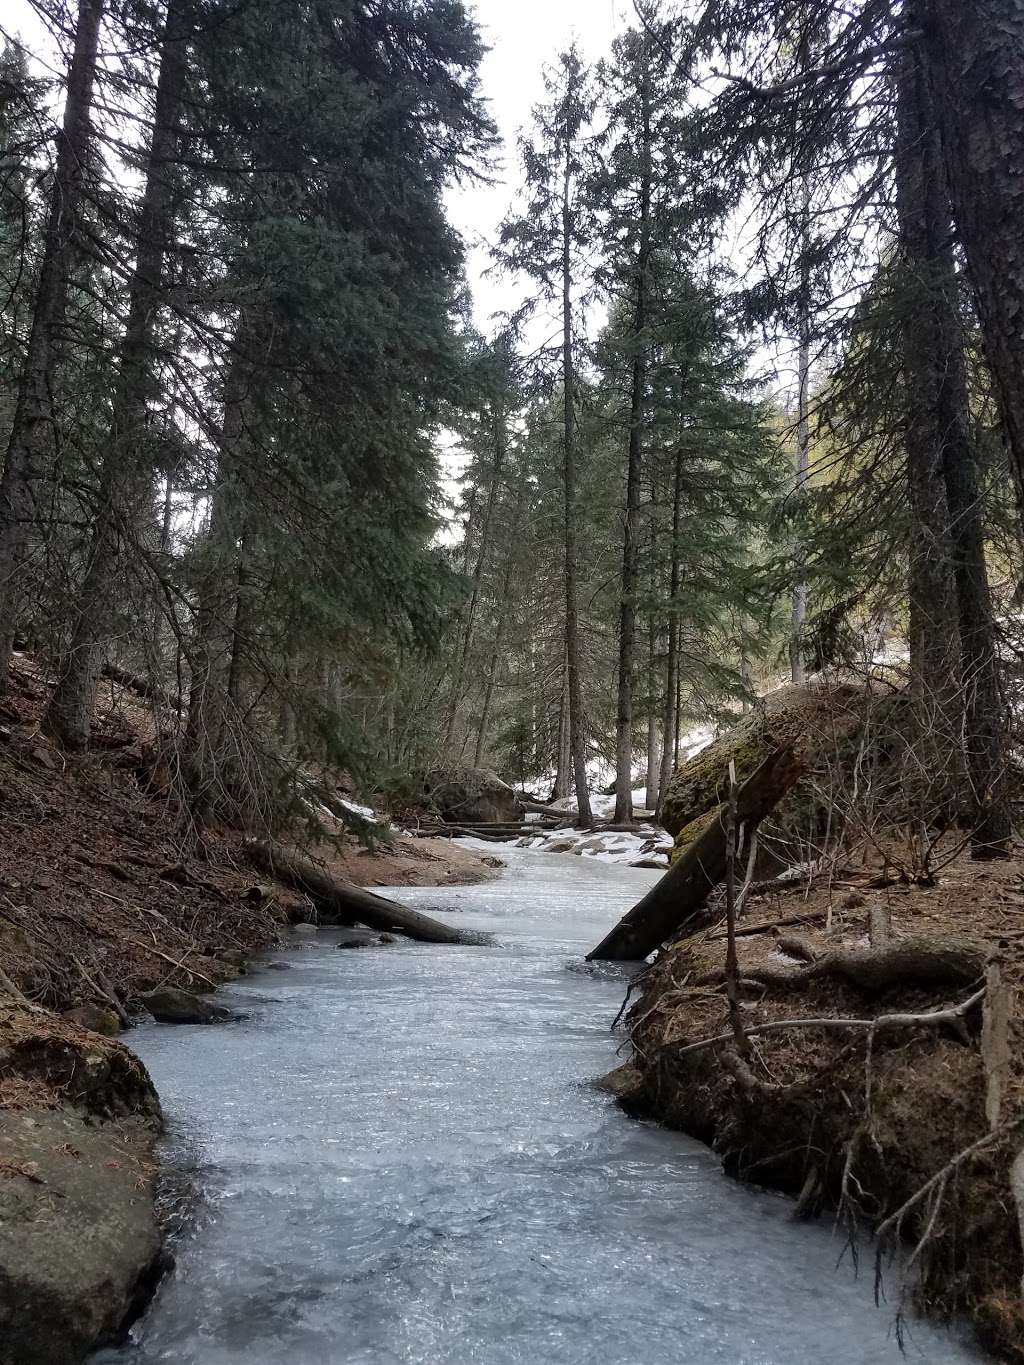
(804, 718)
(472, 796)
(80, 1246)
(79, 1239)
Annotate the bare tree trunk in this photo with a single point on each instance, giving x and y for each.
(214, 645)
(967, 685)
(458, 682)
(499, 631)
(653, 745)
(670, 713)
(577, 734)
(803, 428)
(126, 484)
(975, 58)
(631, 538)
(563, 764)
(33, 416)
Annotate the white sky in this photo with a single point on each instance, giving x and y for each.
(523, 35)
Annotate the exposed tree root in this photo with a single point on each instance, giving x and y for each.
(910, 963)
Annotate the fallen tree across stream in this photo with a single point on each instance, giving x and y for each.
(346, 902)
(681, 893)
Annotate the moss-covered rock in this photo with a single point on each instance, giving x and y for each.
(802, 717)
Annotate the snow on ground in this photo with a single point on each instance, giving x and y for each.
(648, 847)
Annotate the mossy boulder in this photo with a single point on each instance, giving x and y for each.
(471, 795)
(803, 718)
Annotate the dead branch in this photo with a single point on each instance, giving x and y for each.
(679, 896)
(950, 1016)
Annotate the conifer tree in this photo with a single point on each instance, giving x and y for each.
(547, 241)
(32, 423)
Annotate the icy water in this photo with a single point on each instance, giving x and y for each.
(398, 1161)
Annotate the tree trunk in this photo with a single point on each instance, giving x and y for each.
(458, 682)
(126, 483)
(563, 766)
(577, 734)
(348, 902)
(214, 646)
(670, 711)
(975, 60)
(964, 690)
(499, 631)
(653, 747)
(30, 431)
(631, 542)
(803, 426)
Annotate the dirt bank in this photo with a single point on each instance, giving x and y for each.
(853, 1118)
(412, 862)
(100, 905)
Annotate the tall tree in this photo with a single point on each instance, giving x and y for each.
(126, 486)
(974, 55)
(944, 476)
(31, 428)
(546, 242)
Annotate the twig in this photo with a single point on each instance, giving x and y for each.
(952, 1015)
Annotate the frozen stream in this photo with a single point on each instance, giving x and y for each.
(398, 1162)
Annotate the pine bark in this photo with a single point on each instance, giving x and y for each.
(975, 60)
(956, 669)
(30, 431)
(126, 482)
(634, 462)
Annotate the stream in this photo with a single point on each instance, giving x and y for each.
(396, 1159)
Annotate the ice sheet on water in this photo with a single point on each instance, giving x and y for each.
(402, 1164)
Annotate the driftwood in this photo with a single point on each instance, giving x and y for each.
(347, 902)
(681, 893)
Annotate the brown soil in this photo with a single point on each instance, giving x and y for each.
(811, 1122)
(411, 862)
(101, 897)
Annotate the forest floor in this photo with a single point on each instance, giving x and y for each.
(848, 1121)
(101, 903)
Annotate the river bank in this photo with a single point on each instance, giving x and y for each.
(100, 906)
(910, 1122)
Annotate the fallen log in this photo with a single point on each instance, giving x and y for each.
(348, 902)
(681, 893)
(142, 686)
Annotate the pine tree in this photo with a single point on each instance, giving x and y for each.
(546, 241)
(32, 423)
